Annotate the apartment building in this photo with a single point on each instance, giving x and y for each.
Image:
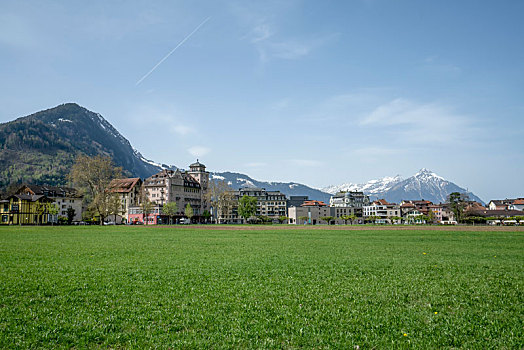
(63, 197)
(179, 186)
(128, 191)
(349, 203)
(383, 210)
(310, 213)
(271, 204)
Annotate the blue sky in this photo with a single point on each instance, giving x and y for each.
(308, 91)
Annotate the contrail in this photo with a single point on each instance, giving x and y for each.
(169, 54)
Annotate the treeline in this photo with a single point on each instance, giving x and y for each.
(31, 134)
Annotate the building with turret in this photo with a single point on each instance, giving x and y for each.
(178, 186)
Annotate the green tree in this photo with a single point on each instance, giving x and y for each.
(457, 202)
(189, 212)
(395, 219)
(52, 209)
(352, 218)
(304, 219)
(431, 217)
(328, 219)
(70, 215)
(93, 175)
(170, 209)
(281, 219)
(345, 218)
(41, 208)
(206, 215)
(247, 207)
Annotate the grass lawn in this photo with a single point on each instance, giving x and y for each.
(187, 287)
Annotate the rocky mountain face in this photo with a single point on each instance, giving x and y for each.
(237, 180)
(423, 185)
(40, 148)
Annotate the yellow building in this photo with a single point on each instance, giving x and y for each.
(23, 209)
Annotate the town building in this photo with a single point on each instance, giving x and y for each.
(382, 210)
(506, 204)
(26, 209)
(349, 203)
(296, 201)
(63, 197)
(270, 204)
(310, 212)
(128, 191)
(182, 187)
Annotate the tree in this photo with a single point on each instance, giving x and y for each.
(145, 204)
(457, 202)
(247, 206)
(93, 175)
(303, 218)
(395, 219)
(189, 212)
(206, 215)
(52, 209)
(115, 206)
(431, 217)
(281, 219)
(70, 215)
(345, 218)
(170, 209)
(221, 197)
(40, 210)
(352, 218)
(328, 219)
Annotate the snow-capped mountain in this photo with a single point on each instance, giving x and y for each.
(425, 184)
(371, 187)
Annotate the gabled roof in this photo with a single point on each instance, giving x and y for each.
(123, 185)
(31, 197)
(50, 191)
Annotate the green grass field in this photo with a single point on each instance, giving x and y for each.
(185, 287)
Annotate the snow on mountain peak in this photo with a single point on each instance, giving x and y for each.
(427, 174)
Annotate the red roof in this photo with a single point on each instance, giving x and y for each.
(313, 203)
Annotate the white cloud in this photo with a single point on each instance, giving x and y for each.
(263, 34)
(182, 129)
(425, 124)
(198, 151)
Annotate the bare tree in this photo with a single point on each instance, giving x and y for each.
(145, 204)
(221, 196)
(93, 175)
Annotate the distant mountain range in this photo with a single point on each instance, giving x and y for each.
(40, 149)
(237, 180)
(423, 185)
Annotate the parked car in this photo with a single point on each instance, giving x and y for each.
(185, 221)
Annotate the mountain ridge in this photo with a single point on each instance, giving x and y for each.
(40, 148)
(425, 184)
